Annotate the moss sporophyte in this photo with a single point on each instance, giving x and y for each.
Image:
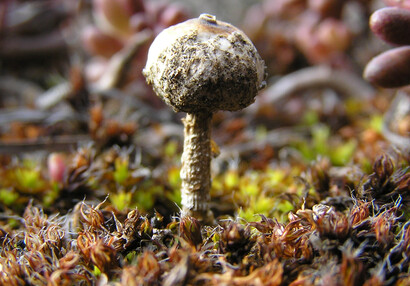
(199, 67)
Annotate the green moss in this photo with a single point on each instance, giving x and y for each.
(353, 106)
(121, 200)
(247, 214)
(260, 132)
(96, 271)
(28, 180)
(320, 138)
(174, 179)
(174, 196)
(339, 153)
(262, 205)
(231, 179)
(376, 123)
(171, 149)
(52, 195)
(310, 118)
(267, 206)
(284, 206)
(146, 194)
(121, 172)
(249, 185)
(275, 177)
(131, 257)
(13, 223)
(8, 197)
(342, 154)
(250, 189)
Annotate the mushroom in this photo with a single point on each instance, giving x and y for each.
(201, 66)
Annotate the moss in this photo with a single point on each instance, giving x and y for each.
(321, 145)
(121, 172)
(8, 197)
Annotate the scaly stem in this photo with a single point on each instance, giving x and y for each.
(196, 165)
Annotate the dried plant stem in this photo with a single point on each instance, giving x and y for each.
(119, 64)
(24, 46)
(56, 143)
(196, 161)
(319, 77)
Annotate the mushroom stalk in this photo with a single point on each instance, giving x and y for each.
(196, 164)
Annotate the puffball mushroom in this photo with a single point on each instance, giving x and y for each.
(201, 66)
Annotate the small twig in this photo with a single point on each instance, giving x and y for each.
(145, 111)
(8, 217)
(342, 82)
(57, 143)
(54, 95)
(25, 46)
(22, 115)
(319, 77)
(23, 89)
(27, 115)
(33, 17)
(120, 62)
